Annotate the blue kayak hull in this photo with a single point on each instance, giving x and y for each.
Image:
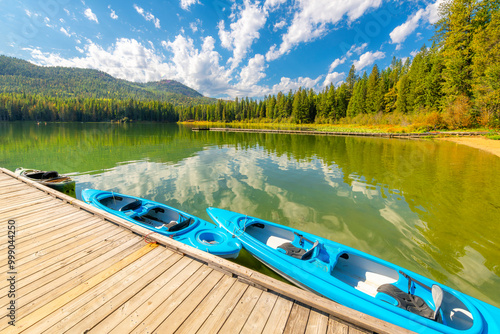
(159, 218)
(355, 279)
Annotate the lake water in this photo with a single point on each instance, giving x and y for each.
(430, 206)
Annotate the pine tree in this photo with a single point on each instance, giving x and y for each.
(373, 100)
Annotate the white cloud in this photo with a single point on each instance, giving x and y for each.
(273, 4)
(333, 78)
(254, 71)
(430, 14)
(89, 15)
(286, 84)
(185, 4)
(313, 19)
(243, 32)
(399, 34)
(28, 12)
(148, 16)
(336, 62)
(126, 59)
(199, 69)
(279, 25)
(367, 59)
(414, 53)
(64, 31)
(195, 25)
(113, 14)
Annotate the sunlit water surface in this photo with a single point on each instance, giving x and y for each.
(430, 206)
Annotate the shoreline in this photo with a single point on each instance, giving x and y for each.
(478, 142)
(468, 138)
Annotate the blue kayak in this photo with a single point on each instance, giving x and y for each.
(167, 221)
(359, 280)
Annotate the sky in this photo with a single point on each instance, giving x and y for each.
(222, 48)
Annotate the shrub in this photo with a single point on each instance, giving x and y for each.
(457, 114)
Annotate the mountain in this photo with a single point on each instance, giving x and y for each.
(20, 76)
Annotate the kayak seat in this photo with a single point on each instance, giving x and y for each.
(131, 206)
(174, 226)
(50, 175)
(297, 252)
(292, 250)
(406, 301)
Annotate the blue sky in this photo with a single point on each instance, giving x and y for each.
(221, 48)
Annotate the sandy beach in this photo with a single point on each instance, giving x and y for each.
(482, 143)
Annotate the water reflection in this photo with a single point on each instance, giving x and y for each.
(431, 207)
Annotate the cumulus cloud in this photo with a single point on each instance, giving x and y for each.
(368, 59)
(279, 25)
(198, 68)
(254, 71)
(286, 84)
(243, 31)
(333, 78)
(185, 4)
(126, 59)
(336, 63)
(90, 15)
(112, 14)
(430, 14)
(273, 4)
(148, 16)
(195, 25)
(313, 19)
(64, 31)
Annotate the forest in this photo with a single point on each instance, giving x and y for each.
(454, 83)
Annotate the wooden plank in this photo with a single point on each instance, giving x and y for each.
(13, 194)
(48, 289)
(226, 306)
(260, 314)
(205, 308)
(97, 309)
(53, 240)
(62, 300)
(27, 204)
(44, 225)
(59, 226)
(139, 319)
(40, 255)
(237, 319)
(184, 267)
(42, 208)
(297, 321)
(156, 317)
(279, 315)
(189, 304)
(336, 327)
(54, 267)
(5, 190)
(111, 286)
(317, 323)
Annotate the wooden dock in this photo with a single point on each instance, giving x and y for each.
(361, 134)
(78, 269)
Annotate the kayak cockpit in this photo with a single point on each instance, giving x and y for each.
(157, 217)
(362, 274)
(119, 203)
(397, 288)
(166, 218)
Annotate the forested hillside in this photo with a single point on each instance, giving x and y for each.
(31, 92)
(454, 83)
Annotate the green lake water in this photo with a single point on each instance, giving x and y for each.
(430, 206)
